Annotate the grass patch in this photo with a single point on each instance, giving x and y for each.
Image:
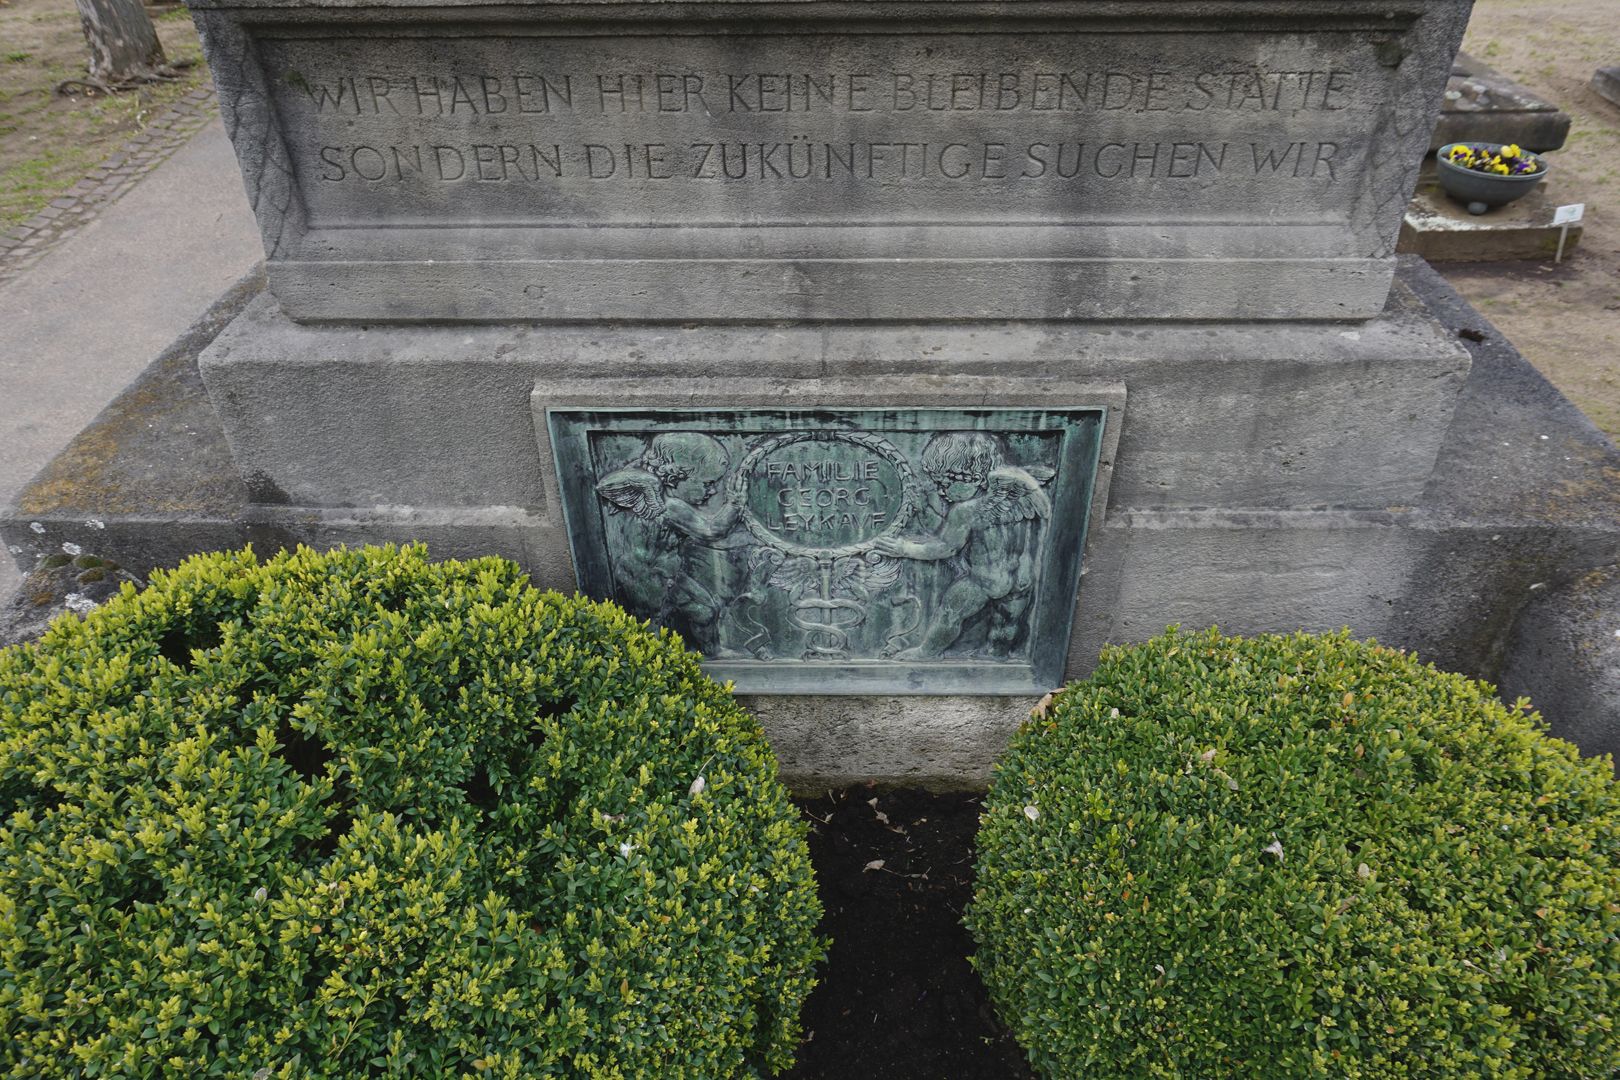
(48, 141)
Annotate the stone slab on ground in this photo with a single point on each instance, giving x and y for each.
(1441, 229)
(1606, 81)
(1483, 105)
(1522, 499)
(152, 474)
(64, 584)
(1565, 657)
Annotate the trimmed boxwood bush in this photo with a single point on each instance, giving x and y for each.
(359, 814)
(1298, 857)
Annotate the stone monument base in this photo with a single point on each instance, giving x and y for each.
(1263, 478)
(1440, 229)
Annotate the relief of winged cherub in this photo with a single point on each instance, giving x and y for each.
(663, 498)
(994, 520)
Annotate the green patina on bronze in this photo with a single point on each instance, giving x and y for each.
(828, 550)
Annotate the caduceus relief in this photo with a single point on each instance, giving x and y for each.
(831, 600)
(833, 596)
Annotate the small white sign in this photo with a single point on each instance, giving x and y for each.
(1569, 215)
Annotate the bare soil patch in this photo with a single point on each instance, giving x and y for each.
(48, 141)
(897, 998)
(1564, 318)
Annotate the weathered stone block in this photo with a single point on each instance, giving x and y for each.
(673, 160)
(1483, 105)
(1606, 81)
(1270, 415)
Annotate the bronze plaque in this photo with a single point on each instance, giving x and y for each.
(840, 550)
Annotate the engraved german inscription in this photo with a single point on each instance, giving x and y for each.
(928, 126)
(898, 92)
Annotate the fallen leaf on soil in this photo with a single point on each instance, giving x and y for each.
(875, 864)
(884, 819)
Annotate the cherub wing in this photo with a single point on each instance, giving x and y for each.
(863, 575)
(1011, 495)
(634, 492)
(795, 576)
(879, 573)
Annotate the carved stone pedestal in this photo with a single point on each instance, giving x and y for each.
(1392, 477)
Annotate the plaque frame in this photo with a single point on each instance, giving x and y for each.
(1036, 662)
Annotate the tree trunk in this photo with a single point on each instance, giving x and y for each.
(124, 46)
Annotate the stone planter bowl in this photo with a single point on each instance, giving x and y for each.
(1481, 191)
